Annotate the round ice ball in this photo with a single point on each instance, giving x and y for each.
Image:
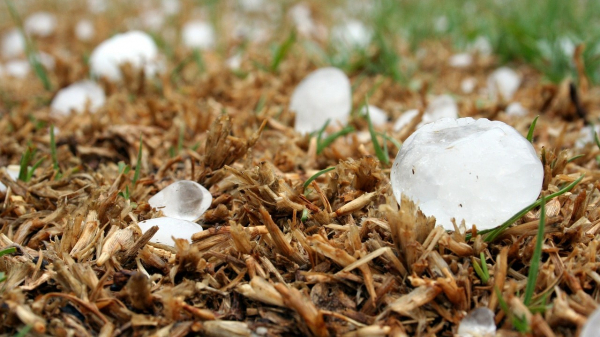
(198, 34)
(135, 47)
(503, 83)
(76, 96)
(481, 171)
(325, 94)
(13, 43)
(84, 30)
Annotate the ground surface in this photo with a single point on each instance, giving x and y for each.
(275, 259)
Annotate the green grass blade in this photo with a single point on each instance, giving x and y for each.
(381, 155)
(30, 49)
(25, 331)
(596, 138)
(478, 270)
(138, 165)
(320, 132)
(494, 233)
(575, 158)
(198, 59)
(316, 175)
(396, 143)
(33, 168)
(53, 149)
(7, 251)
(484, 267)
(261, 104)
(2, 277)
(531, 128)
(25, 160)
(282, 50)
(304, 216)
(537, 255)
(322, 145)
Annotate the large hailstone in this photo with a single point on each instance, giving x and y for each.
(198, 35)
(478, 170)
(592, 325)
(77, 96)
(135, 47)
(40, 24)
(185, 200)
(325, 94)
(168, 228)
(503, 83)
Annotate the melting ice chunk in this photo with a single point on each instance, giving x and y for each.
(516, 109)
(13, 43)
(324, 94)
(198, 34)
(478, 323)
(503, 83)
(84, 30)
(468, 85)
(185, 200)
(592, 326)
(462, 60)
(76, 97)
(135, 47)
(170, 227)
(440, 107)
(478, 170)
(405, 118)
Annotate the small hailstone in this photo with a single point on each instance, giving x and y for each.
(252, 5)
(185, 200)
(171, 7)
(478, 170)
(135, 47)
(84, 30)
(516, 109)
(468, 85)
(405, 118)
(352, 34)
(97, 6)
(586, 136)
(478, 323)
(198, 34)
(378, 116)
(13, 43)
(592, 325)
(503, 83)
(462, 60)
(46, 60)
(13, 172)
(153, 19)
(76, 96)
(170, 227)
(234, 62)
(567, 46)
(301, 16)
(481, 45)
(440, 107)
(17, 68)
(441, 24)
(40, 24)
(324, 94)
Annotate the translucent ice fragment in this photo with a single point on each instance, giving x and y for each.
(13, 172)
(503, 83)
(378, 116)
(468, 85)
(440, 107)
(478, 323)
(84, 30)
(185, 200)
(404, 119)
(13, 43)
(134, 47)
(478, 170)
(17, 68)
(77, 96)
(324, 94)
(170, 227)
